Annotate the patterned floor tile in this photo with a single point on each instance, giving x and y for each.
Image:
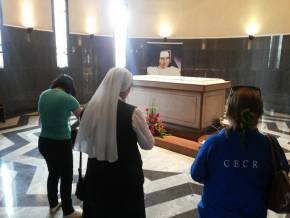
(169, 190)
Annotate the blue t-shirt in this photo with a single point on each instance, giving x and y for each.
(236, 177)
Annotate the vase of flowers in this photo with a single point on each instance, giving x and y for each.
(156, 126)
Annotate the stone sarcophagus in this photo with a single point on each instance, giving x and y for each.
(184, 102)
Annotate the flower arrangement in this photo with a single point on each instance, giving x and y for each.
(154, 122)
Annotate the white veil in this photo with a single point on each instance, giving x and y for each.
(97, 135)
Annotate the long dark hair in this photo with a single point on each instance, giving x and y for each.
(64, 82)
(245, 107)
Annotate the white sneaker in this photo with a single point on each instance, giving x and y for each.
(55, 209)
(75, 214)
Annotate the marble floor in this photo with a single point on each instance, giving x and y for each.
(169, 190)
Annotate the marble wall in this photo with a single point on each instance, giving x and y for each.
(31, 65)
(90, 57)
(262, 62)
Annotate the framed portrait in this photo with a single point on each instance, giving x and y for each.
(164, 58)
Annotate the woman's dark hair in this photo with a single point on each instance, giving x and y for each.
(245, 107)
(64, 82)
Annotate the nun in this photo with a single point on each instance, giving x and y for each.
(110, 132)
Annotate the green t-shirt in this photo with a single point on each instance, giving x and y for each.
(55, 107)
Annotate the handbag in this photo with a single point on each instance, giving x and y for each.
(80, 189)
(279, 193)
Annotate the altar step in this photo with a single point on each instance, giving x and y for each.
(179, 145)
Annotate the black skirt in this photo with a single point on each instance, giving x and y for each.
(113, 190)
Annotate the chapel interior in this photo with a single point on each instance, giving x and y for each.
(215, 45)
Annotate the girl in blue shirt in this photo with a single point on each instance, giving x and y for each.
(235, 165)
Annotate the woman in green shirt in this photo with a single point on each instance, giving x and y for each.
(55, 106)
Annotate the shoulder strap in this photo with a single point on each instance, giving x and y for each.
(80, 166)
(80, 160)
(273, 152)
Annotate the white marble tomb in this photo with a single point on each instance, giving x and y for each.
(191, 102)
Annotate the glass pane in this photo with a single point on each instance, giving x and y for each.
(60, 22)
(119, 16)
(1, 61)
